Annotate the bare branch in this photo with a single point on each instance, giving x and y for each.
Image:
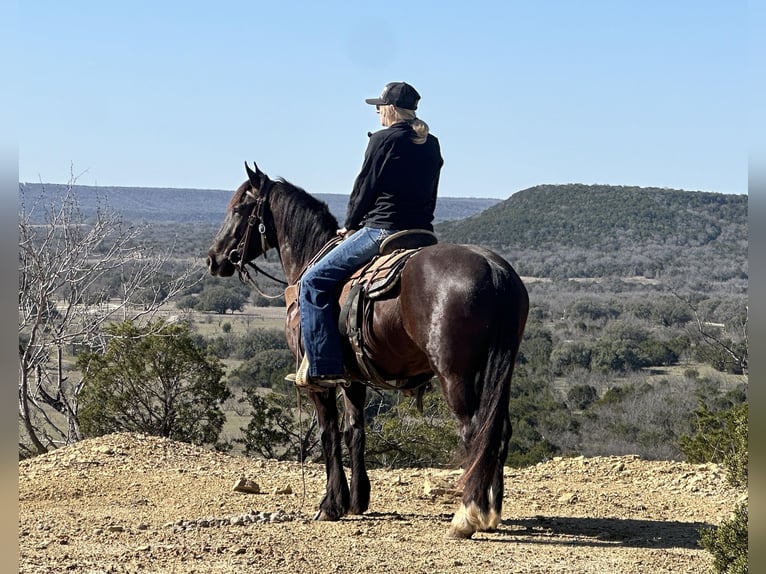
(76, 275)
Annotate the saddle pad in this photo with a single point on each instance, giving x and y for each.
(381, 274)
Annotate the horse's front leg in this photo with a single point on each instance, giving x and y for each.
(335, 502)
(353, 433)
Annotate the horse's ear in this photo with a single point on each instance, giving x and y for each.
(256, 177)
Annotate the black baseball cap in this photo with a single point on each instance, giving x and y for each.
(399, 94)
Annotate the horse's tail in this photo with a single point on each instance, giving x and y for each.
(491, 432)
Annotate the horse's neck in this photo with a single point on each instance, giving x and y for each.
(291, 268)
(294, 254)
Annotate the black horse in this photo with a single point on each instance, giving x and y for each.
(459, 314)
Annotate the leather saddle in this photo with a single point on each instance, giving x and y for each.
(378, 279)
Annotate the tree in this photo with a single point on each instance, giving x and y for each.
(273, 431)
(220, 299)
(724, 346)
(266, 369)
(400, 436)
(153, 379)
(69, 269)
(580, 397)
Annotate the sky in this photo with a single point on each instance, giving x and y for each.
(647, 93)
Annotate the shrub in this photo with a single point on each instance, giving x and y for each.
(581, 397)
(266, 369)
(273, 432)
(720, 437)
(403, 437)
(728, 543)
(257, 340)
(153, 379)
(570, 356)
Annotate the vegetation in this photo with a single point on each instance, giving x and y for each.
(275, 432)
(401, 436)
(636, 343)
(728, 543)
(153, 380)
(564, 231)
(638, 319)
(76, 274)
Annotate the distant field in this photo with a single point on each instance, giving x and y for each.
(251, 317)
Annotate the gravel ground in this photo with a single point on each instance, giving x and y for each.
(134, 503)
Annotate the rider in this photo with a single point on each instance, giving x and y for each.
(395, 190)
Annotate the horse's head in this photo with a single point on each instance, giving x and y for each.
(242, 236)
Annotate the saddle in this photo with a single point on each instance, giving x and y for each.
(378, 279)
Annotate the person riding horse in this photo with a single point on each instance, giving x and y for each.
(395, 190)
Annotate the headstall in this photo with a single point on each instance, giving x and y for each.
(239, 255)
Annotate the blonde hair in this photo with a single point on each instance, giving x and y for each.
(391, 114)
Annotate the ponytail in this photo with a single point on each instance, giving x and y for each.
(392, 114)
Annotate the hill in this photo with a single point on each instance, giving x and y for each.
(170, 205)
(134, 503)
(690, 239)
(598, 231)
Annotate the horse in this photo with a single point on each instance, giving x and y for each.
(459, 314)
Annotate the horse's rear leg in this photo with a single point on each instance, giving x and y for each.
(484, 434)
(335, 502)
(354, 435)
(482, 504)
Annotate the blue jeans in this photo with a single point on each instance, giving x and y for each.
(319, 302)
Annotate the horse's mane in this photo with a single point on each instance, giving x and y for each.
(310, 220)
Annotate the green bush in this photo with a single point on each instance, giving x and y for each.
(266, 369)
(728, 543)
(570, 356)
(153, 379)
(720, 437)
(274, 433)
(533, 410)
(581, 397)
(400, 436)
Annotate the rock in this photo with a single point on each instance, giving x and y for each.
(568, 498)
(247, 486)
(286, 490)
(436, 486)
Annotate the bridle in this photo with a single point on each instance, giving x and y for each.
(239, 255)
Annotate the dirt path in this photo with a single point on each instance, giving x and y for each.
(132, 503)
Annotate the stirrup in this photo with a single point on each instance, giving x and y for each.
(303, 380)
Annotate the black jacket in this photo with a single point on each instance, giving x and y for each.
(396, 188)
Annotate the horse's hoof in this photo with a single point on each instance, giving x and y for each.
(458, 534)
(322, 516)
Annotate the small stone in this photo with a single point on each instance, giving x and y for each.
(436, 486)
(247, 486)
(568, 498)
(286, 490)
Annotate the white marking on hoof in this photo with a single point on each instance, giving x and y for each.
(463, 523)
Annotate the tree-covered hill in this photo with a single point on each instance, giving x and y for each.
(600, 230)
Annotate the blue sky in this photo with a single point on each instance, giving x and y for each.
(520, 93)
